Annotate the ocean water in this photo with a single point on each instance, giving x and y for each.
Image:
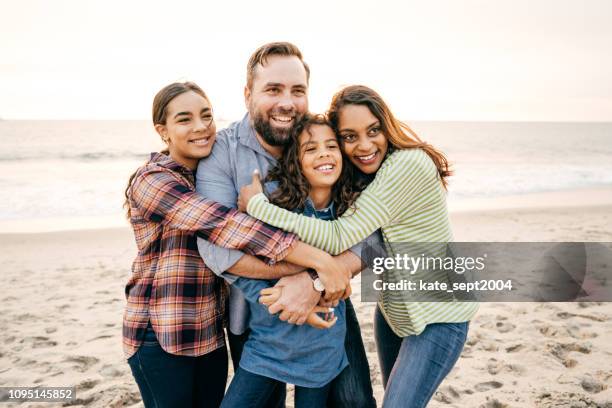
(62, 172)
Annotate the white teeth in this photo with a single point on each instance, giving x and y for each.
(201, 142)
(285, 119)
(366, 158)
(325, 167)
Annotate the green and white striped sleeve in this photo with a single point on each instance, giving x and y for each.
(399, 180)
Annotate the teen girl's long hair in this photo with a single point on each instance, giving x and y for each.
(399, 134)
(293, 188)
(159, 115)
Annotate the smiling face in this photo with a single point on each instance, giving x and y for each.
(189, 130)
(363, 140)
(277, 98)
(320, 157)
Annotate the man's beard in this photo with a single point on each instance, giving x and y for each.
(271, 135)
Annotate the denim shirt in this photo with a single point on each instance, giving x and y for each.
(300, 355)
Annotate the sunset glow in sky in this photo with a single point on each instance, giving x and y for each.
(437, 60)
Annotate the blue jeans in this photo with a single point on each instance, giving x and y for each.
(352, 388)
(167, 380)
(413, 367)
(248, 390)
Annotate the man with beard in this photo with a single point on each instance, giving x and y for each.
(276, 96)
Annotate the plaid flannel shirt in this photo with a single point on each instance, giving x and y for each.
(170, 285)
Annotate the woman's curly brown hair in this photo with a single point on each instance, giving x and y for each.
(293, 188)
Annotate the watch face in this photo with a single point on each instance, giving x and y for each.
(318, 285)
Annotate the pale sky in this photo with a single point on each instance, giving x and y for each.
(431, 60)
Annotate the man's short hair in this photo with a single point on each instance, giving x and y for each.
(260, 57)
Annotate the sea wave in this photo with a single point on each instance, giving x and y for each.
(87, 156)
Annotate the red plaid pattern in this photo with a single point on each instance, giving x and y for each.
(170, 284)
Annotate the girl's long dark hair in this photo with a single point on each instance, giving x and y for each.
(293, 188)
(159, 116)
(399, 134)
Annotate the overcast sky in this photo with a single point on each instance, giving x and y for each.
(434, 60)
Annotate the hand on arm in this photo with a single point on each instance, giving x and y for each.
(270, 296)
(297, 299)
(298, 296)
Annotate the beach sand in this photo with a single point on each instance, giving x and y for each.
(63, 300)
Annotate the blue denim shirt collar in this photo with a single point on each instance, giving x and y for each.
(248, 138)
(327, 213)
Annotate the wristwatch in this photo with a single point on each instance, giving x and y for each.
(316, 281)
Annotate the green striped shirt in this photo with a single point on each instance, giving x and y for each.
(407, 201)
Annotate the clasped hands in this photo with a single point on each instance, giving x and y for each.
(295, 298)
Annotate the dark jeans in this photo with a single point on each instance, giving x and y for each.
(248, 390)
(278, 394)
(414, 366)
(352, 388)
(166, 380)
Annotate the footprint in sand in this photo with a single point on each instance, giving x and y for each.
(500, 326)
(472, 340)
(495, 367)
(505, 327)
(561, 351)
(592, 385)
(111, 371)
(489, 385)
(104, 336)
(552, 331)
(26, 317)
(86, 385)
(79, 401)
(565, 399)
(571, 330)
(595, 316)
(39, 342)
(126, 398)
(494, 403)
(447, 395)
(82, 363)
(116, 397)
(515, 348)
(489, 346)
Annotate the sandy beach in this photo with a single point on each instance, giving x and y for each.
(63, 300)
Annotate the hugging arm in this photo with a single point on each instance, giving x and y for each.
(159, 196)
(396, 189)
(214, 182)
